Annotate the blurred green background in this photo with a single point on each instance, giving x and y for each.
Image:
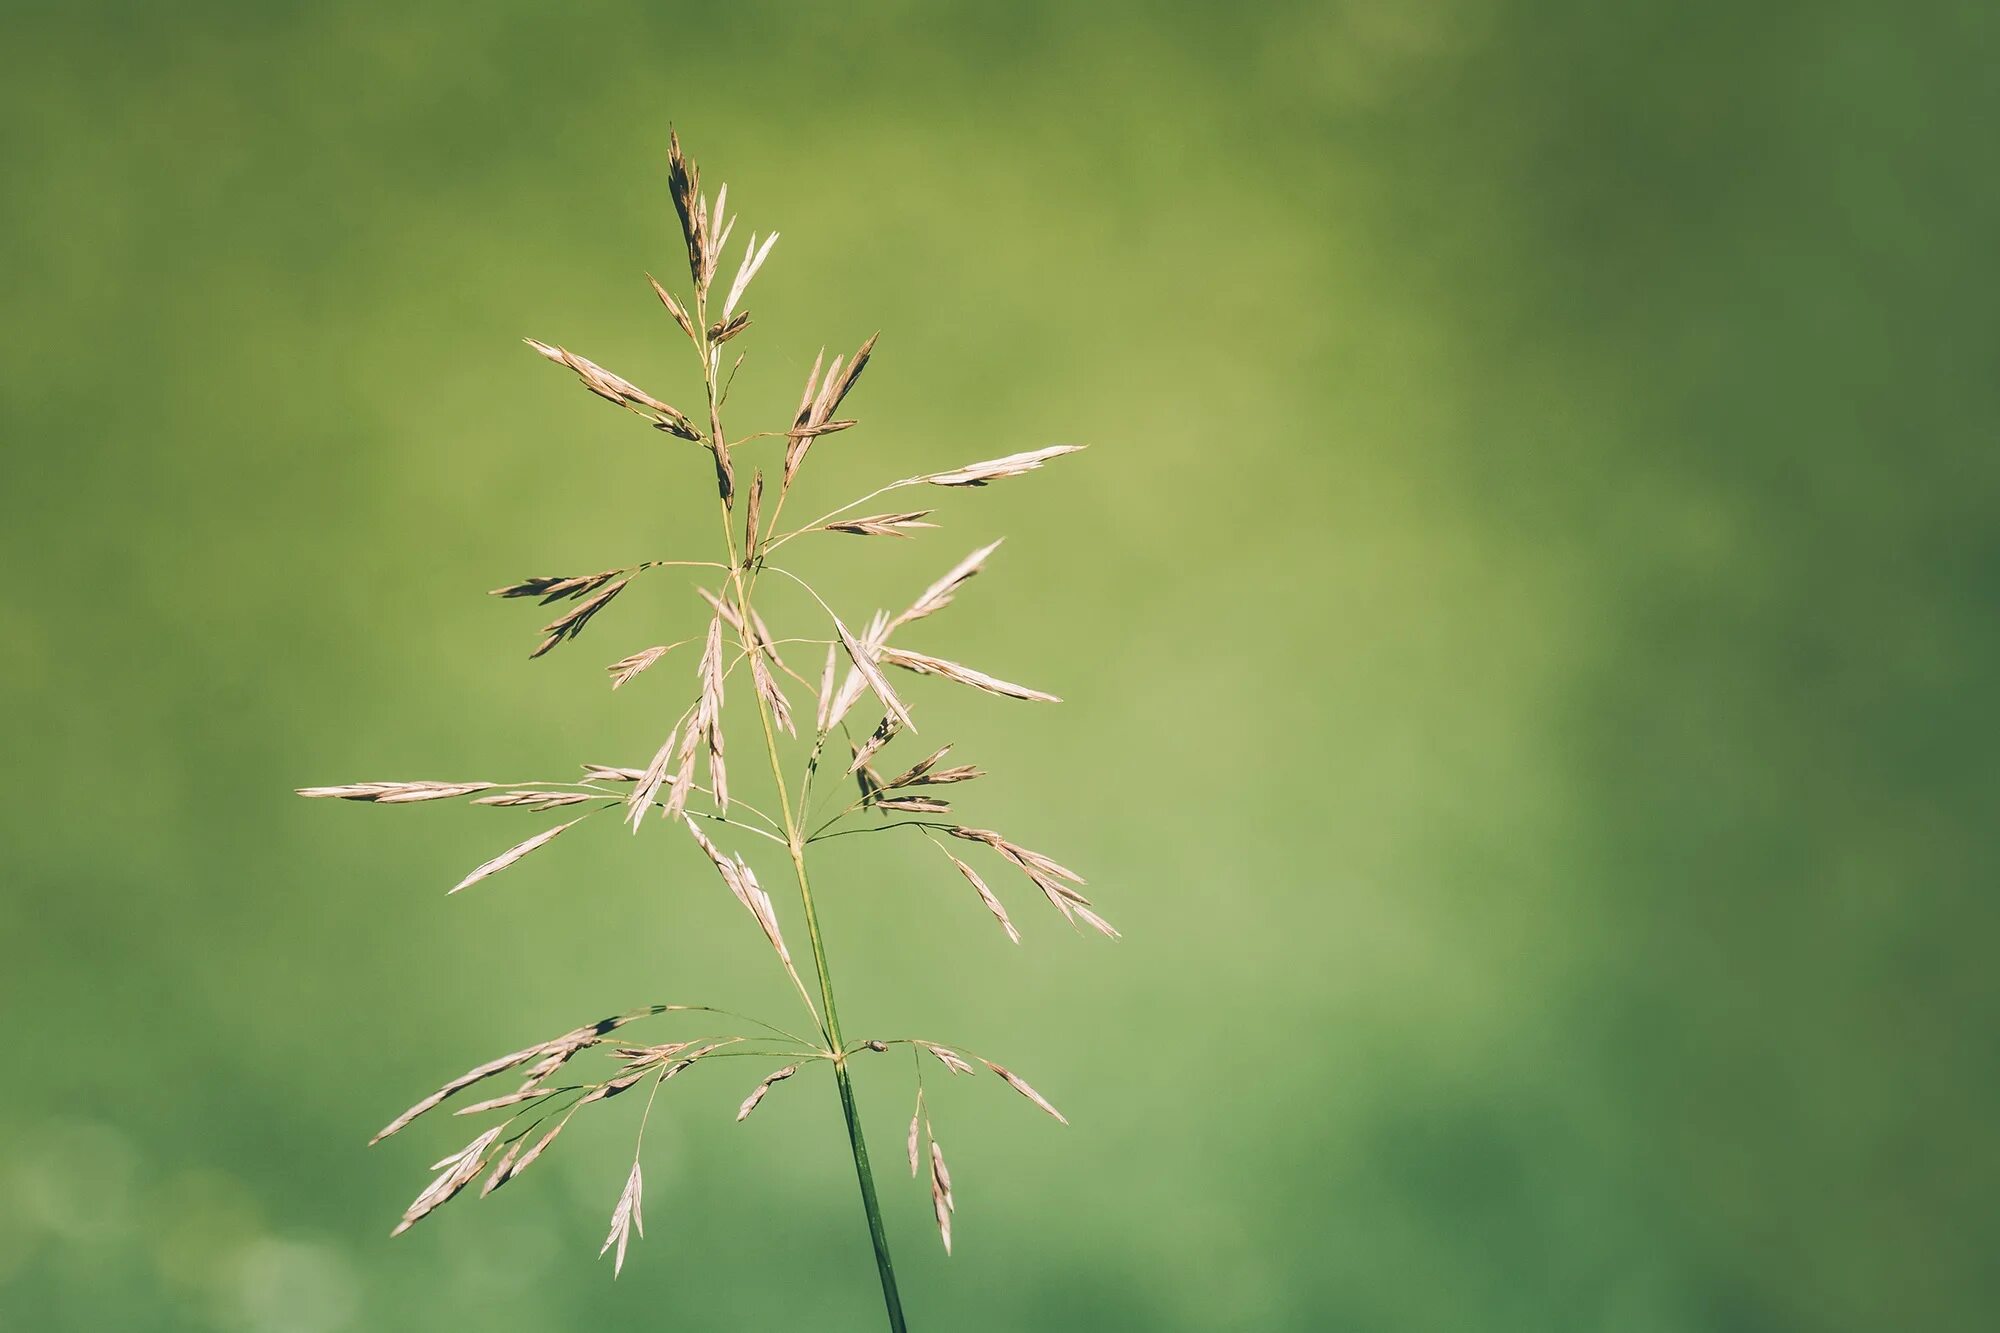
(1526, 621)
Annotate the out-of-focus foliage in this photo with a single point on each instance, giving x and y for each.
(1527, 621)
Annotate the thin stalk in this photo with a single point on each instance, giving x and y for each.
(829, 1013)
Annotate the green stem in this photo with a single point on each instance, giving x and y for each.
(829, 1016)
(884, 1265)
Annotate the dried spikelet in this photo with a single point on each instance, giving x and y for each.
(571, 623)
(616, 389)
(717, 237)
(552, 587)
(605, 1091)
(1046, 874)
(774, 698)
(753, 259)
(885, 731)
(757, 1093)
(941, 1201)
(815, 414)
(987, 896)
(638, 1059)
(951, 1059)
(883, 525)
(503, 1168)
(684, 183)
(853, 685)
(526, 1093)
(800, 438)
(725, 474)
(454, 1174)
(938, 596)
(1094, 921)
(627, 667)
(612, 773)
(914, 805)
(512, 1166)
(708, 717)
(515, 853)
(625, 1219)
(925, 665)
(720, 332)
(742, 882)
(751, 514)
(674, 308)
(648, 788)
(1020, 1085)
(918, 774)
(681, 784)
(915, 1117)
(459, 1084)
(397, 793)
(1013, 465)
(863, 658)
(538, 801)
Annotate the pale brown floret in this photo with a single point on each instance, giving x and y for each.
(926, 665)
(938, 596)
(538, 801)
(454, 1174)
(627, 667)
(625, 1219)
(883, 525)
(513, 854)
(396, 793)
(612, 773)
(675, 309)
(742, 882)
(1013, 465)
(649, 783)
(571, 623)
(941, 1201)
(1020, 1085)
(617, 389)
(885, 731)
(554, 587)
(951, 1059)
(757, 1093)
(553, 1053)
(913, 805)
(816, 409)
(864, 662)
(987, 896)
(753, 259)
(774, 698)
(1047, 875)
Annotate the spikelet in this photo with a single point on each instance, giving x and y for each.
(625, 1219)
(616, 389)
(1013, 465)
(396, 793)
(938, 596)
(513, 854)
(757, 1093)
(925, 665)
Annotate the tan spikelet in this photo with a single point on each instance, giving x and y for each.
(513, 854)
(757, 1093)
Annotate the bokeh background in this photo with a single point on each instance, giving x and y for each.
(1527, 623)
